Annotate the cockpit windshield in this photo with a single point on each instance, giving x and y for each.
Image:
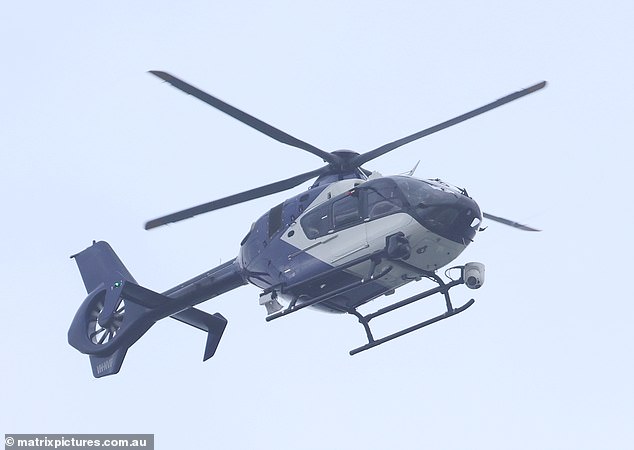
(438, 207)
(422, 192)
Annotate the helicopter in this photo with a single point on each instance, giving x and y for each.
(354, 236)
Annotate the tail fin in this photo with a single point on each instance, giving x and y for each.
(117, 312)
(98, 263)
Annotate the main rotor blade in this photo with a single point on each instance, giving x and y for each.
(245, 196)
(243, 117)
(508, 222)
(368, 156)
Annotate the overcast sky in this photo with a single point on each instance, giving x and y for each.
(91, 147)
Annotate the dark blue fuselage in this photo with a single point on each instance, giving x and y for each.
(268, 259)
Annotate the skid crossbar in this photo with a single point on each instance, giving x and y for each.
(375, 258)
(374, 342)
(441, 288)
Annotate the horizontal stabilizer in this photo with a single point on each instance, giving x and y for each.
(213, 324)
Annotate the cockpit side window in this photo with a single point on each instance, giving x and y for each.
(382, 202)
(346, 211)
(337, 214)
(317, 222)
(372, 200)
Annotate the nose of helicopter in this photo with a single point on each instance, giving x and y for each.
(457, 220)
(442, 209)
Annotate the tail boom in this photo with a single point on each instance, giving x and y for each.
(118, 311)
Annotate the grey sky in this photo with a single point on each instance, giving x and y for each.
(92, 146)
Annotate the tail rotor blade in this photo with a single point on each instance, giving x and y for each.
(372, 154)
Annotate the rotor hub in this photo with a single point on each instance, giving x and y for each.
(344, 160)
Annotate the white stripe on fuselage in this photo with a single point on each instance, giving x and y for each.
(428, 250)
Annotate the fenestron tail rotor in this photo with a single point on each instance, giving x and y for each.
(341, 163)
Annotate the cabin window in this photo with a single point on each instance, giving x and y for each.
(275, 219)
(340, 213)
(346, 211)
(317, 222)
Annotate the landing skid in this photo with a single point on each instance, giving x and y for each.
(442, 288)
(396, 248)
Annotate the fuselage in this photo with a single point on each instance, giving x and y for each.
(333, 224)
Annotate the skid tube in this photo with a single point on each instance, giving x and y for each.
(442, 288)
